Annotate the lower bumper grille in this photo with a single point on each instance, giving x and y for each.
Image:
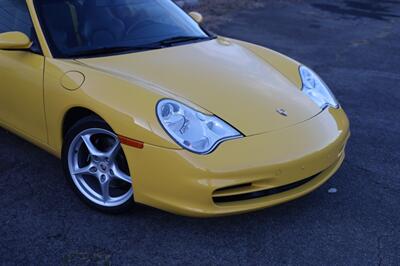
(261, 193)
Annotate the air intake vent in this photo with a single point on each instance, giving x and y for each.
(239, 192)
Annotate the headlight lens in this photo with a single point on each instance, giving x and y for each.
(316, 89)
(191, 129)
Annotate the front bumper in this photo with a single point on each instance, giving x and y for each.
(241, 175)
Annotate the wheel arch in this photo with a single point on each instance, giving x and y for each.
(75, 114)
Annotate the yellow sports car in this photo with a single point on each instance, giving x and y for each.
(144, 105)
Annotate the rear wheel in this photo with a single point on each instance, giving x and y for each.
(96, 167)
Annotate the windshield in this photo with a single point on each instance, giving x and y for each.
(79, 28)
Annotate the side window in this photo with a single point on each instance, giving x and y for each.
(14, 16)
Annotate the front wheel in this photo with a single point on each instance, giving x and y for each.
(96, 167)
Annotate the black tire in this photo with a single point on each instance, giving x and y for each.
(90, 122)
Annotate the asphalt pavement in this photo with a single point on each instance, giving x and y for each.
(355, 47)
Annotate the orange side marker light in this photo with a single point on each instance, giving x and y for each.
(131, 142)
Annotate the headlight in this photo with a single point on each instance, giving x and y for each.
(316, 89)
(194, 131)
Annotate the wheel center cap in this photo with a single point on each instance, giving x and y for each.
(103, 167)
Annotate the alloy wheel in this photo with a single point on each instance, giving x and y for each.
(98, 167)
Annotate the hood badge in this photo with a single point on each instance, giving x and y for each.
(282, 112)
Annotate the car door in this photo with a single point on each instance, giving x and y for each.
(21, 76)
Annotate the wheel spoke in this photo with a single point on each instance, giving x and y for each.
(119, 174)
(86, 170)
(112, 153)
(89, 145)
(105, 190)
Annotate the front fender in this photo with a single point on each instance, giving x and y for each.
(128, 107)
(285, 65)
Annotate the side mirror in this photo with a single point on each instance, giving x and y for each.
(14, 40)
(196, 16)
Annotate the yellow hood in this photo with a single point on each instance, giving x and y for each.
(226, 79)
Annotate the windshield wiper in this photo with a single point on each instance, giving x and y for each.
(182, 39)
(152, 46)
(116, 49)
